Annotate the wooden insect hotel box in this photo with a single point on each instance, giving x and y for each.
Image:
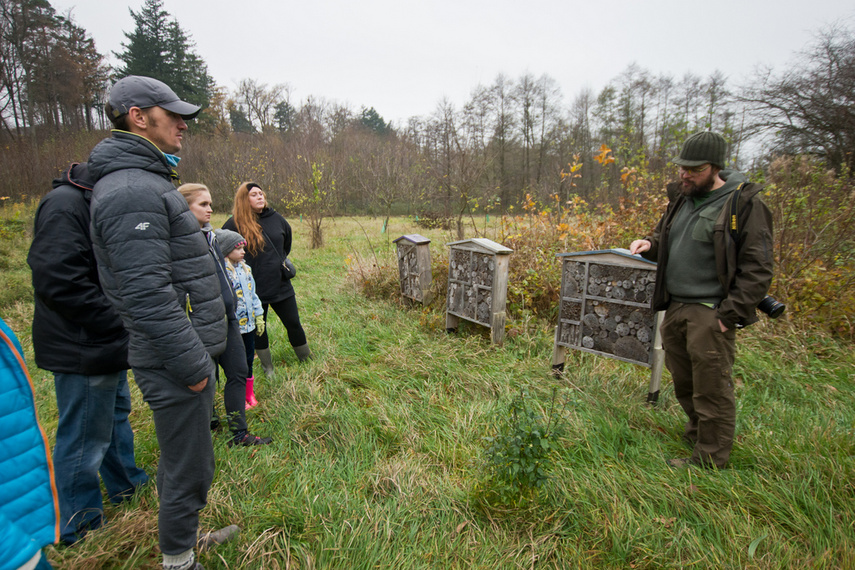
(478, 284)
(605, 306)
(414, 267)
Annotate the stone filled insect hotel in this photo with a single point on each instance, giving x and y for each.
(605, 306)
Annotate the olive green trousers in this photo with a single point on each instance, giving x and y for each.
(700, 358)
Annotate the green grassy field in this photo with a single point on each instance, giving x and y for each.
(379, 452)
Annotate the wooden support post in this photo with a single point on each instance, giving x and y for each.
(425, 275)
(657, 362)
(500, 296)
(451, 322)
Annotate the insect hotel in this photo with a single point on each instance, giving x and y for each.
(414, 267)
(605, 308)
(478, 285)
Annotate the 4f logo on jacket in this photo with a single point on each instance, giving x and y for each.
(142, 226)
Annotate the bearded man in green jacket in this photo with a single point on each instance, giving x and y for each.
(713, 247)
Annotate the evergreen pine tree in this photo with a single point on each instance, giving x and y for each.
(372, 120)
(240, 122)
(284, 117)
(159, 48)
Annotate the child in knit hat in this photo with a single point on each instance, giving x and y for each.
(249, 311)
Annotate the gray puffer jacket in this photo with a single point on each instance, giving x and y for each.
(153, 261)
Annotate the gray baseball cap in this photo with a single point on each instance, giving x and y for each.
(145, 92)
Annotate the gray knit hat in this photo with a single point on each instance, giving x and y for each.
(702, 148)
(228, 240)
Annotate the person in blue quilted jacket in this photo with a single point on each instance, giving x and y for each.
(29, 507)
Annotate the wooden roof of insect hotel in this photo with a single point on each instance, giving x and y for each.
(482, 245)
(415, 238)
(617, 256)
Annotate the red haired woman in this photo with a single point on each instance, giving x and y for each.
(268, 243)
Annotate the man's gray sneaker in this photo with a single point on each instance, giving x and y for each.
(215, 537)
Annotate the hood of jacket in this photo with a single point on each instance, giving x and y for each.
(727, 175)
(730, 175)
(127, 150)
(77, 175)
(266, 212)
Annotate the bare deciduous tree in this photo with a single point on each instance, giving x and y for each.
(811, 106)
(260, 101)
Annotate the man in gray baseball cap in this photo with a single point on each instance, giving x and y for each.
(154, 267)
(713, 249)
(148, 107)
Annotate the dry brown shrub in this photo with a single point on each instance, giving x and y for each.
(29, 166)
(813, 210)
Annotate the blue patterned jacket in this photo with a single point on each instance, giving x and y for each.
(248, 303)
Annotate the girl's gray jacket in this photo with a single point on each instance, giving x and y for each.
(153, 261)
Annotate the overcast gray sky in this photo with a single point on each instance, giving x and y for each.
(402, 57)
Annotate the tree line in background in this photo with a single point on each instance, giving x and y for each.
(511, 139)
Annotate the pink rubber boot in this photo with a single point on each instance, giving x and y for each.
(251, 402)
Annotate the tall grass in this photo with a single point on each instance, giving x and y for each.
(379, 449)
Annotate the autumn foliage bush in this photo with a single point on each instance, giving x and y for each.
(537, 235)
(29, 165)
(814, 222)
(433, 220)
(545, 230)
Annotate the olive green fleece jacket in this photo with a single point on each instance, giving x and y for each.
(691, 273)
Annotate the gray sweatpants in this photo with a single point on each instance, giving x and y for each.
(182, 420)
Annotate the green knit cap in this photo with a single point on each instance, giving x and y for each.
(702, 148)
